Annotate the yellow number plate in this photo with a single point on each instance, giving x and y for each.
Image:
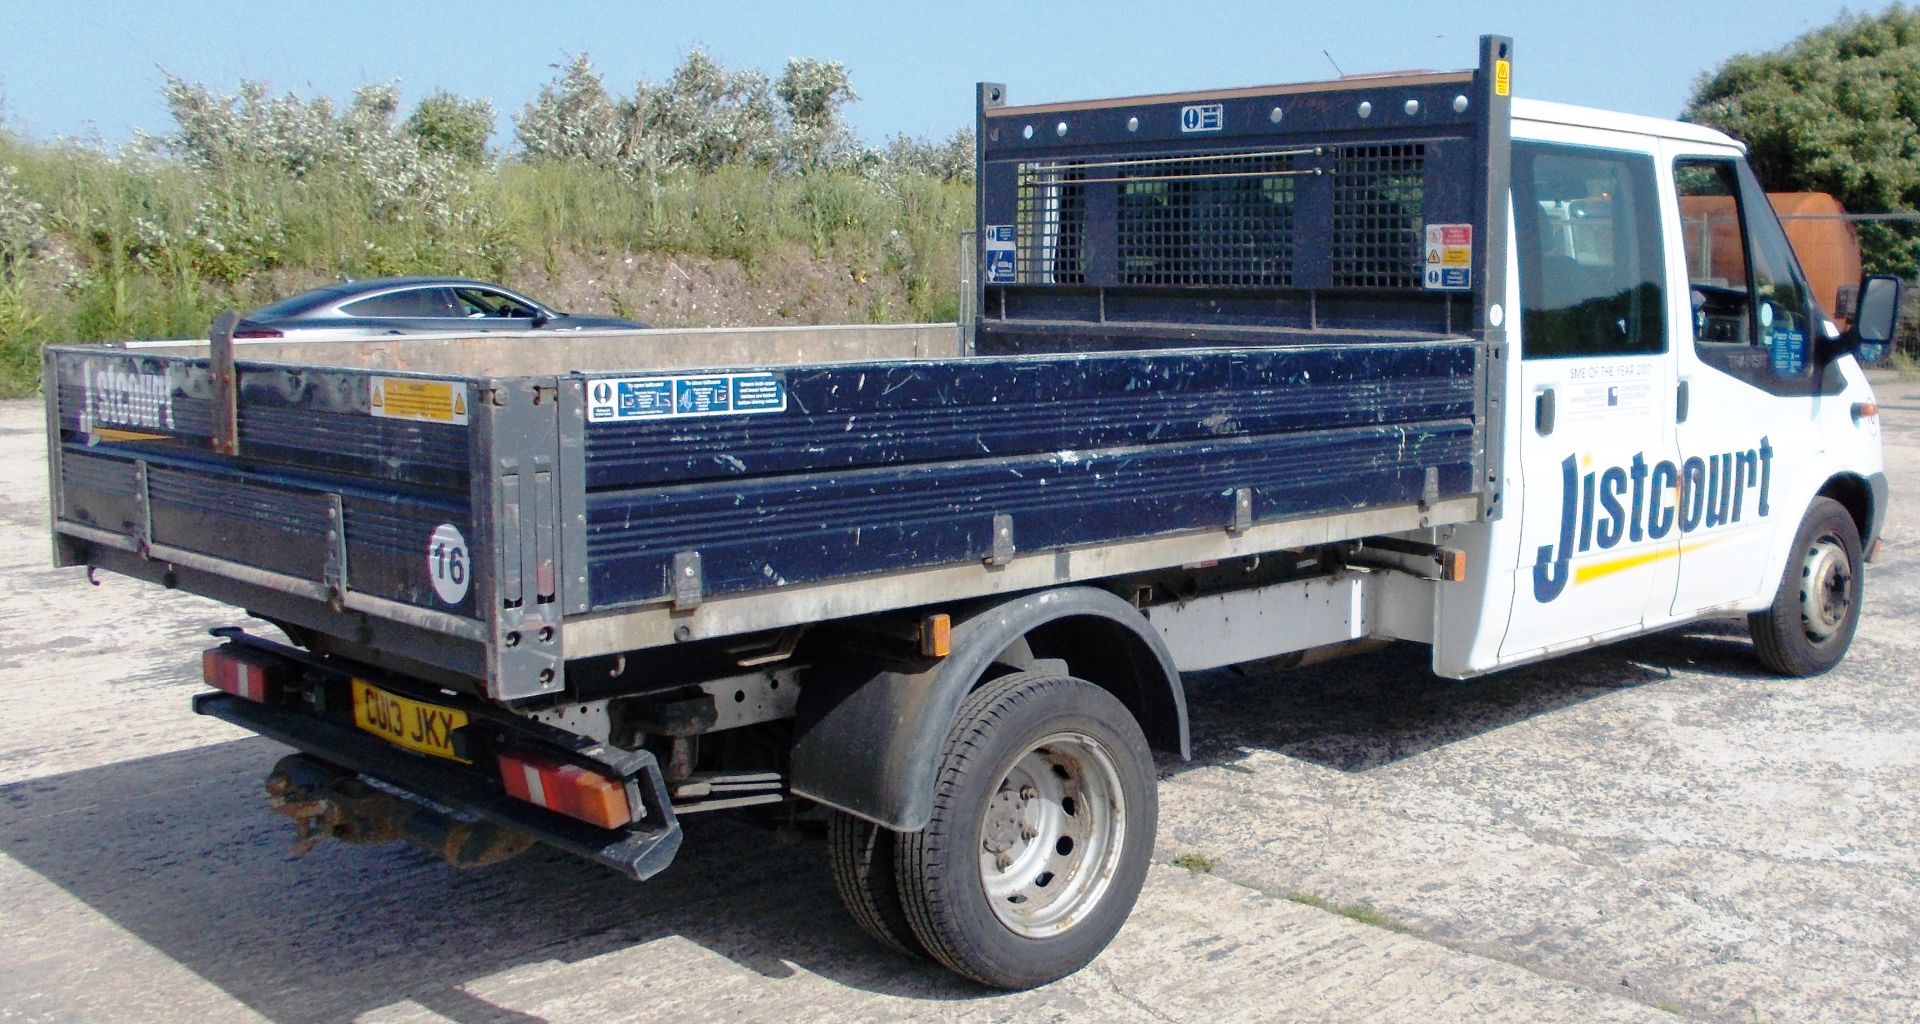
(426, 728)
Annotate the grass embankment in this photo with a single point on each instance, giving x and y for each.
(128, 247)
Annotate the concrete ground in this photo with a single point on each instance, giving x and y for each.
(1651, 832)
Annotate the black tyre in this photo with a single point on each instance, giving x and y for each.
(1810, 625)
(1043, 819)
(862, 858)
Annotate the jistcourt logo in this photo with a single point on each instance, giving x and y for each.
(1648, 501)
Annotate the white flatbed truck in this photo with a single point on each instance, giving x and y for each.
(1248, 373)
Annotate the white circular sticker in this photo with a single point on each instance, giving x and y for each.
(448, 564)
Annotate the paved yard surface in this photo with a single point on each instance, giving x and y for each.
(1646, 833)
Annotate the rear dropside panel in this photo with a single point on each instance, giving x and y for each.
(333, 505)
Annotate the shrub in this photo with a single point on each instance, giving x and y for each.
(951, 160)
(814, 91)
(23, 233)
(572, 120)
(703, 118)
(459, 128)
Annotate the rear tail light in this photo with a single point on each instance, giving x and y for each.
(568, 789)
(242, 672)
(247, 330)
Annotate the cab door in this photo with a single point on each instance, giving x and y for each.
(1597, 386)
(1751, 385)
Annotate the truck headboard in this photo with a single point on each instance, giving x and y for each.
(1359, 204)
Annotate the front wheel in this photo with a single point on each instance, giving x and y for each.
(1816, 609)
(1043, 819)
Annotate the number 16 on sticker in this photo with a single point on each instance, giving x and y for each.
(449, 565)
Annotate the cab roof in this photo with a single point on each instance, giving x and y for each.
(1608, 120)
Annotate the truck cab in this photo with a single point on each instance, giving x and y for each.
(1673, 418)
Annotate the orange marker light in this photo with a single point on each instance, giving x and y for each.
(936, 636)
(566, 788)
(1865, 410)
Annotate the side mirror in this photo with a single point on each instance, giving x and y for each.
(1873, 326)
(540, 319)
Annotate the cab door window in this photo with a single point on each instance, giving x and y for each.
(1591, 269)
(1751, 314)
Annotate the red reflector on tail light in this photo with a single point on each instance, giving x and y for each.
(241, 672)
(252, 331)
(568, 789)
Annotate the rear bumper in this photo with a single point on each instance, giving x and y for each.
(640, 851)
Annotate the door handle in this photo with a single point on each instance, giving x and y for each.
(1543, 412)
(1682, 397)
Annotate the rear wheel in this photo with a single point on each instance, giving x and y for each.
(1816, 609)
(1043, 820)
(861, 855)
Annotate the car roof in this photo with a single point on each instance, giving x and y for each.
(327, 295)
(377, 283)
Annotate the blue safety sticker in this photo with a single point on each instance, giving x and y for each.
(1789, 351)
(1203, 117)
(996, 250)
(759, 392)
(612, 400)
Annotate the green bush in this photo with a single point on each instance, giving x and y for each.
(445, 123)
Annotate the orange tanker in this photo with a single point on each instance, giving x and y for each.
(1816, 225)
(1825, 241)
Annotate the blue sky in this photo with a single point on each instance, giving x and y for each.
(91, 69)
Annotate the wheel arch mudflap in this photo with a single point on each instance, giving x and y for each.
(1865, 497)
(869, 733)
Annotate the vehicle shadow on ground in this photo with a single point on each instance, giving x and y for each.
(1374, 709)
(180, 851)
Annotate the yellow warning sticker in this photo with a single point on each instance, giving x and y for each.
(1502, 77)
(401, 398)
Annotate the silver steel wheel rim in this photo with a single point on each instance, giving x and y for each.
(1051, 836)
(1826, 588)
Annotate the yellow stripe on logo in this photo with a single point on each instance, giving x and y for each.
(1597, 570)
(113, 434)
